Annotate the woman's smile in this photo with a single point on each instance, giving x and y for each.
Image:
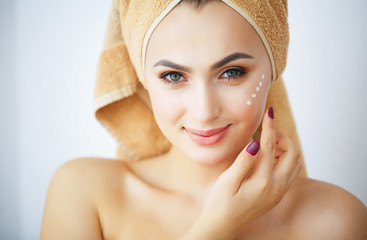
(207, 137)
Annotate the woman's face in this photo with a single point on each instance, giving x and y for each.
(208, 75)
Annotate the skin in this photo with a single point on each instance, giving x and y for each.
(217, 191)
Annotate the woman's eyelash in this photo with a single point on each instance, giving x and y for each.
(233, 74)
(173, 78)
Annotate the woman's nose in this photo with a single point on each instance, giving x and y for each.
(205, 103)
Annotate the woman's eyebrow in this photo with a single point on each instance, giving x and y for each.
(224, 61)
(167, 63)
(230, 58)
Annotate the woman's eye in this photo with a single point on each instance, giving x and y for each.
(233, 73)
(172, 76)
(172, 79)
(175, 77)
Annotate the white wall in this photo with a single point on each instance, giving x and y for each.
(327, 81)
(49, 53)
(49, 102)
(9, 177)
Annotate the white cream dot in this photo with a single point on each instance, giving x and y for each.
(260, 83)
(263, 76)
(249, 102)
(253, 95)
(257, 89)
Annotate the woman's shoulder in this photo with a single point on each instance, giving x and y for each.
(77, 191)
(90, 170)
(88, 166)
(87, 178)
(327, 211)
(91, 175)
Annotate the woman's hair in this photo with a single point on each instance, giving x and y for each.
(197, 4)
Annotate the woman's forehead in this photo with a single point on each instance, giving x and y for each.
(215, 29)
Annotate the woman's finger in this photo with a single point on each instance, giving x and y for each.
(267, 142)
(287, 161)
(281, 148)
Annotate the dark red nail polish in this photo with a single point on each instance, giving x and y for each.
(253, 148)
(271, 113)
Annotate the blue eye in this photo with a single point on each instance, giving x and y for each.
(233, 73)
(172, 78)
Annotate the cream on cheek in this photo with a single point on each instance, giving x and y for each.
(256, 91)
(246, 104)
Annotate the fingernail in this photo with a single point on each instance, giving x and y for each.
(253, 148)
(271, 113)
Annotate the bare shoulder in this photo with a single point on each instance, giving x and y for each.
(89, 176)
(91, 169)
(326, 211)
(74, 193)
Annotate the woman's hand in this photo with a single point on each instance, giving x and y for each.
(254, 184)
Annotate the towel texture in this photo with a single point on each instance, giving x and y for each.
(122, 104)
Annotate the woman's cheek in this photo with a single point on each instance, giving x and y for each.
(167, 107)
(247, 103)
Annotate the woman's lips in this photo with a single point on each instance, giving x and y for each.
(207, 137)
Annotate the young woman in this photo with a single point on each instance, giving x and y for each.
(208, 74)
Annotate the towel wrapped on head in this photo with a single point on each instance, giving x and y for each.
(122, 103)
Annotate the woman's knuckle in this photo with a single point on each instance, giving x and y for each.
(264, 184)
(282, 135)
(278, 193)
(269, 144)
(278, 198)
(294, 154)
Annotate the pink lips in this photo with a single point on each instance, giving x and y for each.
(207, 137)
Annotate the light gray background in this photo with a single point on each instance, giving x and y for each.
(48, 57)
